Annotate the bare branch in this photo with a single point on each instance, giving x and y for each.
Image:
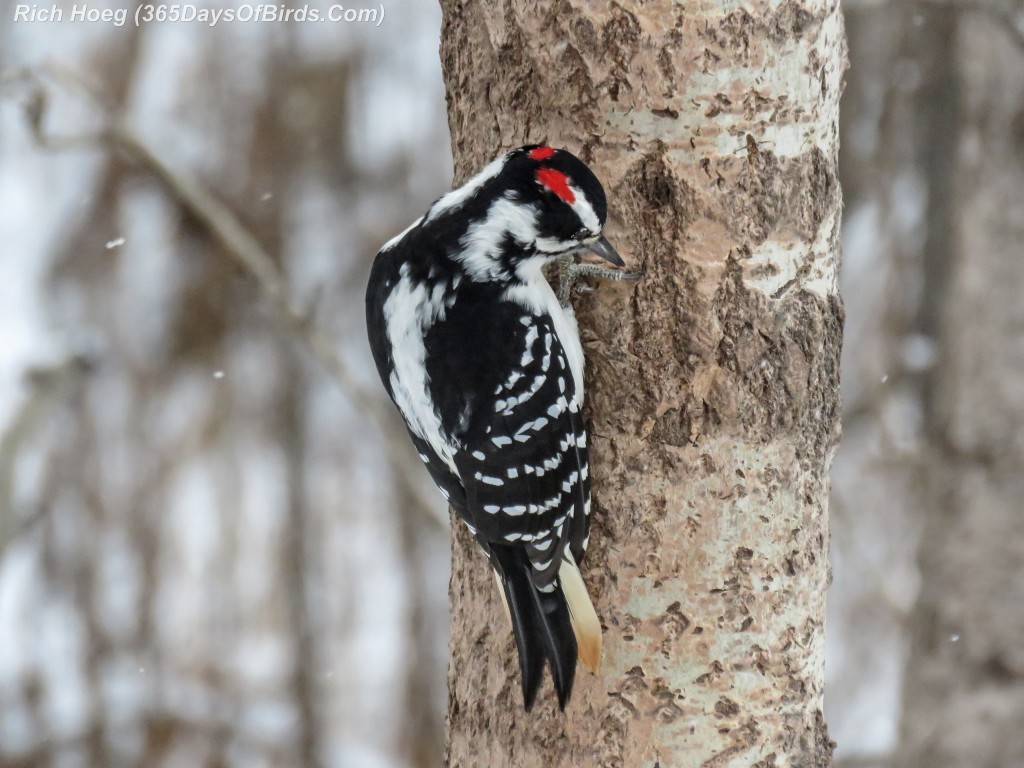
(246, 250)
(49, 387)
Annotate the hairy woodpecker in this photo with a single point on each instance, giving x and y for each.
(486, 366)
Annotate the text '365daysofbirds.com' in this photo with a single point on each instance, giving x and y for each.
(190, 13)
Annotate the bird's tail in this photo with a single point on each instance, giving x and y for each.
(557, 626)
(585, 624)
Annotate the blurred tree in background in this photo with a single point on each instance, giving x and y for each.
(963, 699)
(207, 555)
(926, 610)
(206, 559)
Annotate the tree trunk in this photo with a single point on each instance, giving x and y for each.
(712, 384)
(964, 691)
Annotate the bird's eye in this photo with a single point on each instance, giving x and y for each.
(581, 234)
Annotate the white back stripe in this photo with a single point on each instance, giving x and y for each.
(408, 313)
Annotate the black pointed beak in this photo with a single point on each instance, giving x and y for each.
(604, 249)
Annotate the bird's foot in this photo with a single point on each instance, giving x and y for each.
(569, 273)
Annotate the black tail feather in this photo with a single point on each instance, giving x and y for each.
(531, 651)
(541, 626)
(559, 640)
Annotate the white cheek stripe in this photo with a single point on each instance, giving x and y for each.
(481, 245)
(585, 211)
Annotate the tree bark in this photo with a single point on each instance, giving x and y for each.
(964, 690)
(712, 384)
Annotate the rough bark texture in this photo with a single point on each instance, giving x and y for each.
(712, 385)
(964, 692)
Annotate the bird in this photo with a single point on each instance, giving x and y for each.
(485, 365)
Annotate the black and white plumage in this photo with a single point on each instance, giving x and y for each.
(486, 367)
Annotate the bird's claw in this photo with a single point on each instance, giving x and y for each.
(570, 272)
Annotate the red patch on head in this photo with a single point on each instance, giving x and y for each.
(557, 182)
(541, 153)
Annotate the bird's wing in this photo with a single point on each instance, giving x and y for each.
(523, 457)
(445, 480)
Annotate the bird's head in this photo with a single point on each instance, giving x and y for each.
(530, 206)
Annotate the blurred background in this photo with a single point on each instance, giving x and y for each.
(206, 558)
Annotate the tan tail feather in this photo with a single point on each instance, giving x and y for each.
(501, 594)
(585, 624)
